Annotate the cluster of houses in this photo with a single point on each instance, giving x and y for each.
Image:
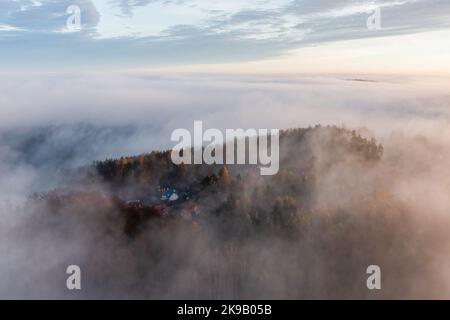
(170, 201)
(171, 194)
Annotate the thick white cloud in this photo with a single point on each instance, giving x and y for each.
(167, 102)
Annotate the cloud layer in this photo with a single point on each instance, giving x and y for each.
(51, 123)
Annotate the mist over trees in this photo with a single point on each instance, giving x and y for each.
(308, 232)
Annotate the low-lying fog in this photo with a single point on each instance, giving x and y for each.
(52, 122)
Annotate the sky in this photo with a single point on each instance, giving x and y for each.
(259, 36)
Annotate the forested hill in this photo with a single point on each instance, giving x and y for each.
(297, 151)
(200, 231)
(150, 185)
